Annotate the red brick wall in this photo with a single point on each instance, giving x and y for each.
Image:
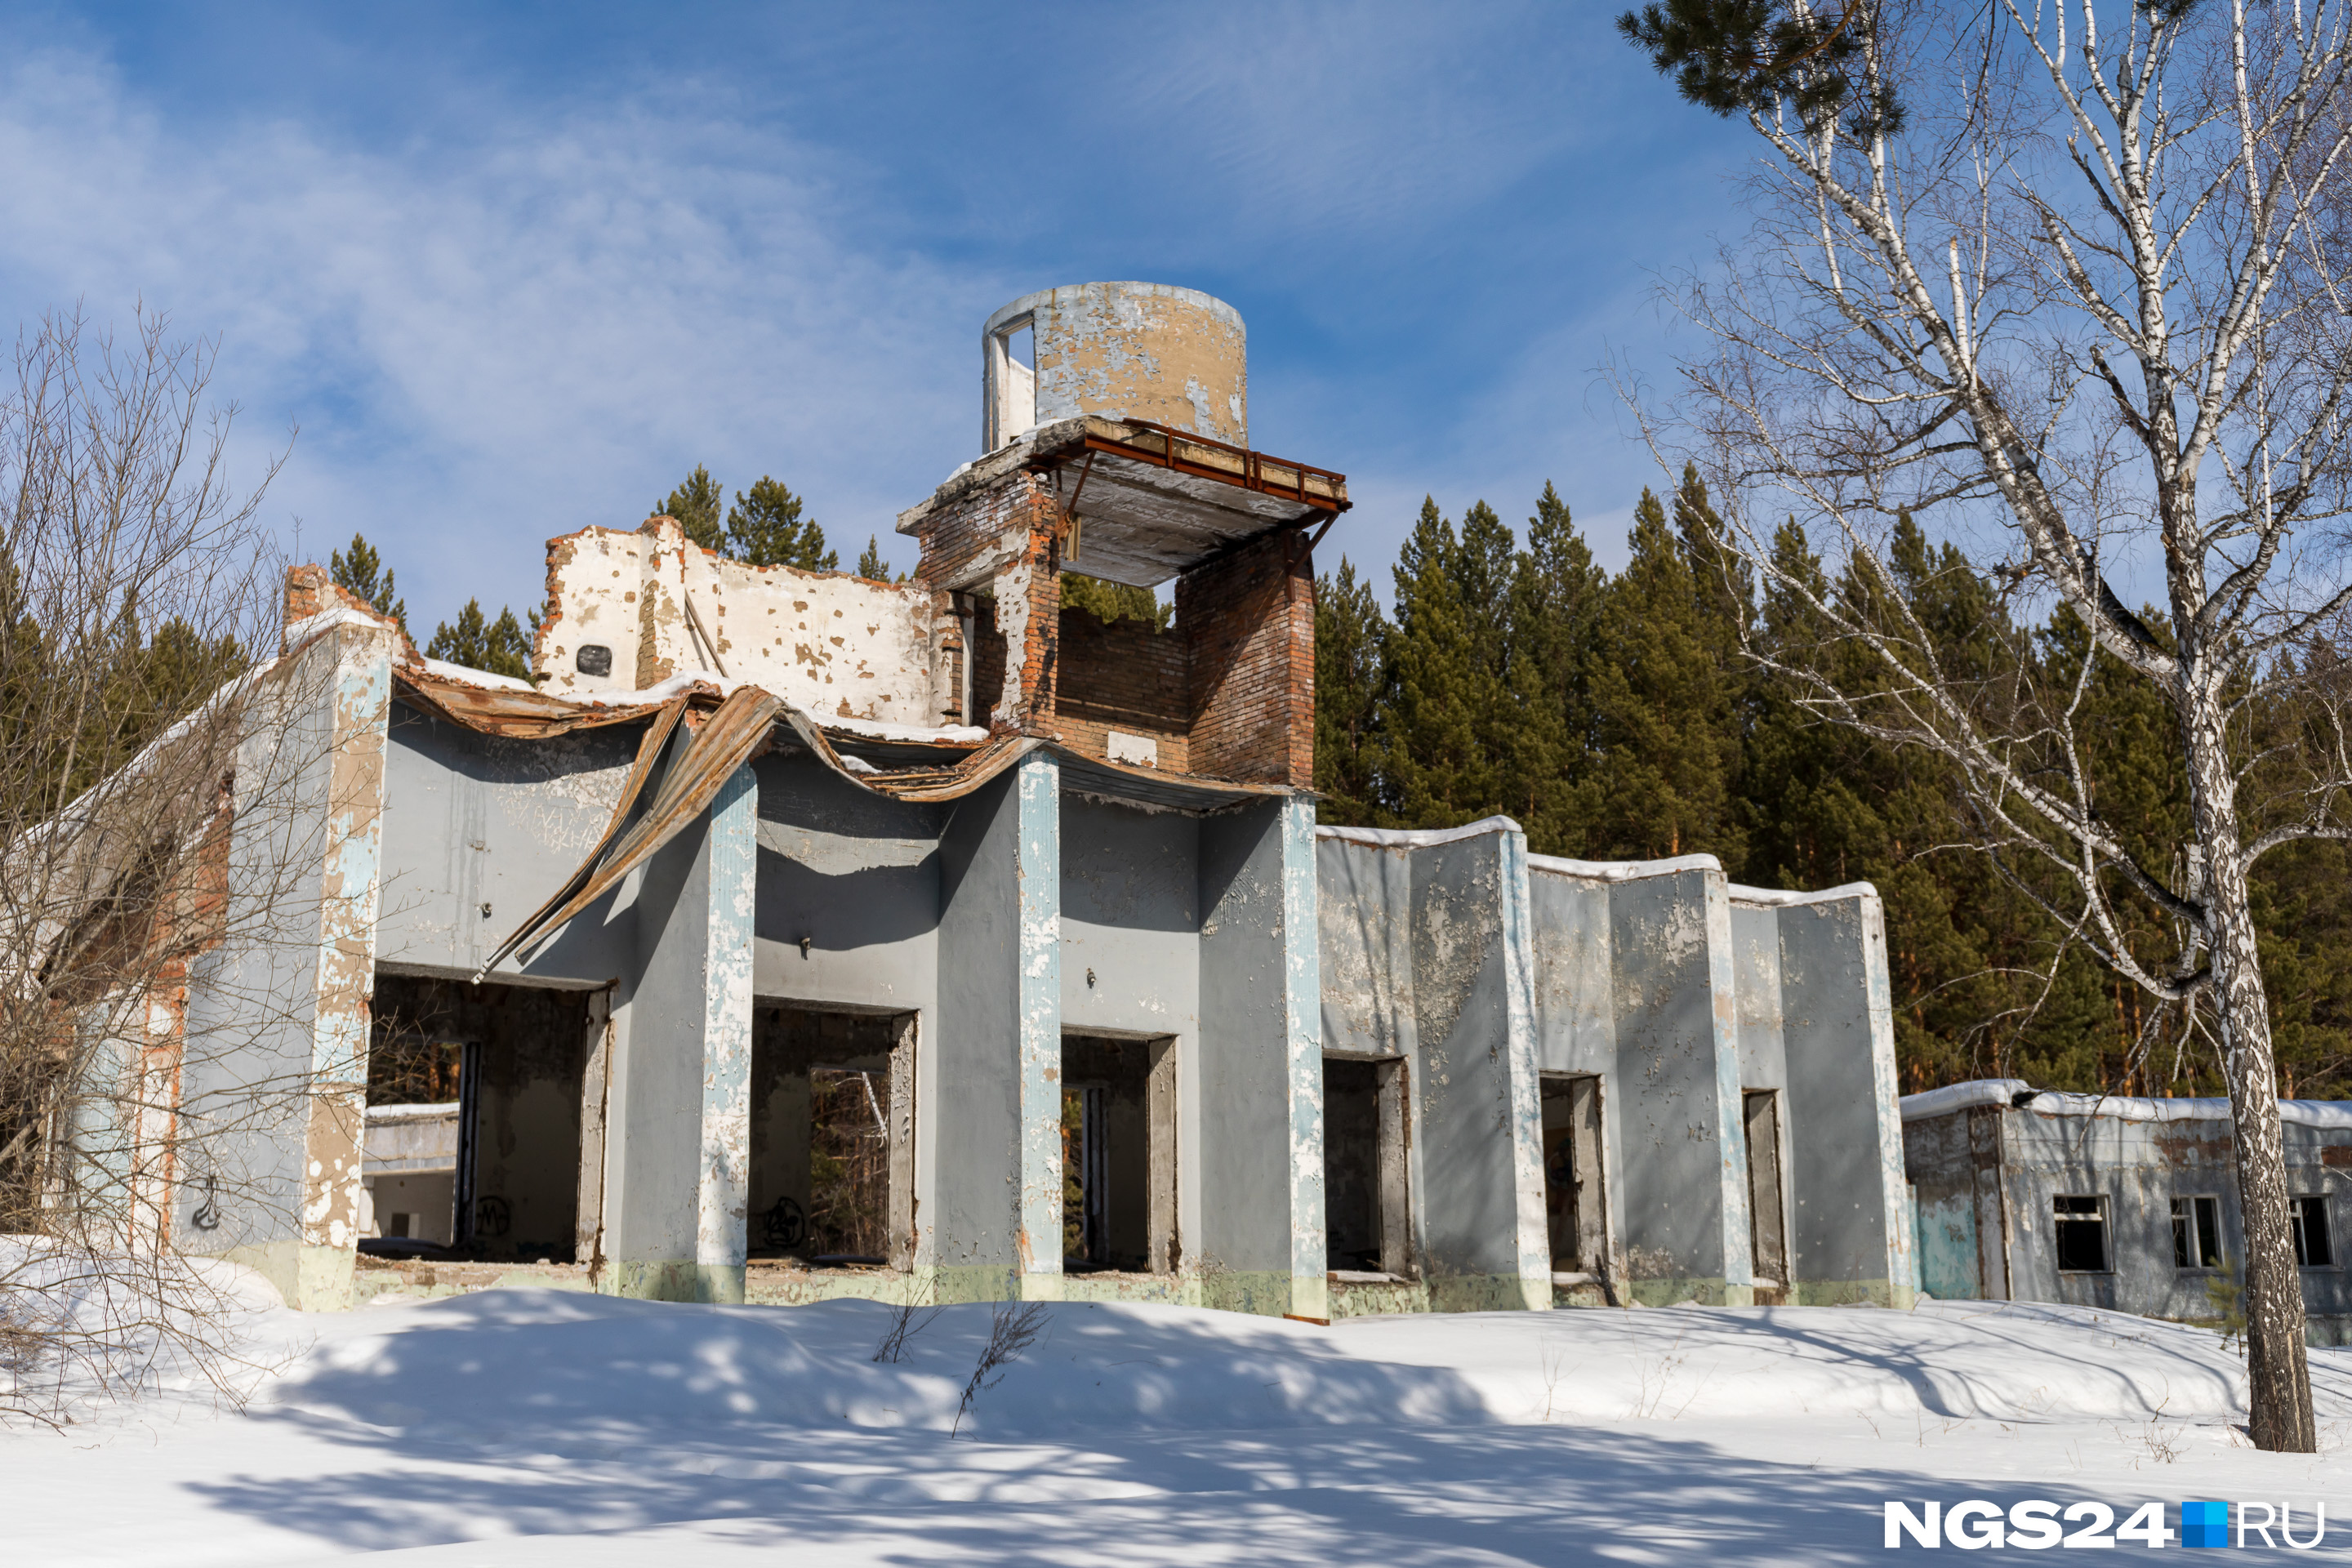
(1248, 620)
(1127, 676)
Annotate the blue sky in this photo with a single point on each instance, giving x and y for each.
(514, 270)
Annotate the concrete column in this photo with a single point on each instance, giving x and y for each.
(1252, 1128)
(1684, 1182)
(678, 1101)
(1851, 1232)
(722, 1200)
(1477, 1145)
(271, 1175)
(1302, 972)
(1522, 1061)
(1038, 792)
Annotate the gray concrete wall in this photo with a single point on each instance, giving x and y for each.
(1131, 920)
(474, 820)
(1235, 1132)
(1850, 1237)
(1682, 1151)
(1470, 1073)
(857, 874)
(969, 1093)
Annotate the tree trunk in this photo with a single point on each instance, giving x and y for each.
(2278, 1374)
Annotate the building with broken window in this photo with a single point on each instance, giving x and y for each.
(2107, 1201)
(796, 935)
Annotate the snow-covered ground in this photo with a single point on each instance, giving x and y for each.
(542, 1428)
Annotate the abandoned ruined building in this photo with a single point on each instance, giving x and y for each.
(2116, 1202)
(798, 935)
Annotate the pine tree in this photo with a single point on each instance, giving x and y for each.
(475, 642)
(1665, 780)
(765, 528)
(870, 564)
(1555, 594)
(696, 504)
(1107, 601)
(362, 574)
(1351, 688)
(1445, 692)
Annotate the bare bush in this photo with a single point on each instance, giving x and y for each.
(1012, 1328)
(139, 633)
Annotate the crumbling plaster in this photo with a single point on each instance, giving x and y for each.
(833, 645)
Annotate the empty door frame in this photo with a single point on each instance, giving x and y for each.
(1588, 1161)
(1767, 1198)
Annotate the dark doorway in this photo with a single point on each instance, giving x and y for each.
(832, 1108)
(513, 1057)
(1574, 1211)
(1766, 1206)
(1118, 1154)
(1365, 1168)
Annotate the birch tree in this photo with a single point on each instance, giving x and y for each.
(2072, 276)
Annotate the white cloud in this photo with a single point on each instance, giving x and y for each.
(491, 340)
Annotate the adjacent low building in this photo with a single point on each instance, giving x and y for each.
(2104, 1201)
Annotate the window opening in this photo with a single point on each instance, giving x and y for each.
(1573, 1210)
(2308, 1217)
(1013, 381)
(1767, 1223)
(2197, 1233)
(1118, 1154)
(2082, 1225)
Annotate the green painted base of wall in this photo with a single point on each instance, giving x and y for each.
(1852, 1293)
(1265, 1295)
(311, 1278)
(672, 1282)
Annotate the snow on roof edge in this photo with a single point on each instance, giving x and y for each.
(1778, 898)
(465, 675)
(411, 1112)
(1622, 870)
(2328, 1113)
(1421, 837)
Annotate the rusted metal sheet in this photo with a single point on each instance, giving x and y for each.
(724, 742)
(517, 715)
(1147, 442)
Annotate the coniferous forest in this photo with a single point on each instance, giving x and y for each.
(1616, 717)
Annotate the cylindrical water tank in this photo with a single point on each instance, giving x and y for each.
(1140, 350)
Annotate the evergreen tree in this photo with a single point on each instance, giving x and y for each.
(696, 504)
(765, 528)
(364, 574)
(1350, 686)
(1555, 592)
(1107, 601)
(1445, 691)
(870, 564)
(496, 648)
(1666, 728)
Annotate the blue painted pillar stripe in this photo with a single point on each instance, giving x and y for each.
(1039, 790)
(1302, 1026)
(723, 1191)
(1731, 1120)
(1902, 1233)
(1524, 1087)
